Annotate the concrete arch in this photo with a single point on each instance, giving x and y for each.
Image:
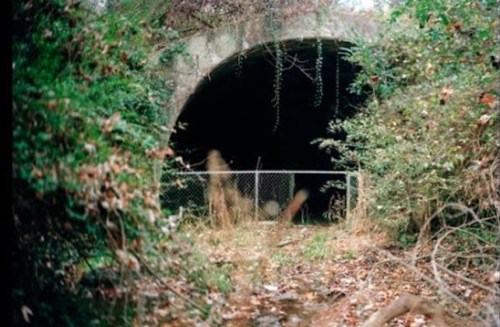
(207, 89)
(206, 51)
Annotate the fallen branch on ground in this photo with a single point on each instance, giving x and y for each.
(416, 305)
(439, 316)
(169, 287)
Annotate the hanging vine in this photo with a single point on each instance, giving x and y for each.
(279, 56)
(278, 79)
(239, 65)
(241, 54)
(337, 82)
(318, 81)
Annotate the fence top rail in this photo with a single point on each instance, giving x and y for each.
(330, 172)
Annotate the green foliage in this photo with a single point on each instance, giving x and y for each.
(88, 117)
(283, 259)
(208, 277)
(429, 132)
(406, 239)
(316, 248)
(349, 255)
(81, 101)
(464, 240)
(167, 55)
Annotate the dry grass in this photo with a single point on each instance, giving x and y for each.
(358, 220)
(293, 207)
(227, 207)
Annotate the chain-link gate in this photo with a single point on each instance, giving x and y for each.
(262, 194)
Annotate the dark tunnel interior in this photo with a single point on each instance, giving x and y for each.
(232, 111)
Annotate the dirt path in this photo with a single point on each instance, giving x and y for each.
(303, 275)
(321, 276)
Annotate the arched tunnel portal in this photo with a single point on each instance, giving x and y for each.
(233, 111)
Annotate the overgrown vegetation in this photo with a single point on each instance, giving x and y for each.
(89, 126)
(88, 108)
(88, 135)
(427, 144)
(429, 133)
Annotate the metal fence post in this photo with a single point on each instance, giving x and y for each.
(348, 194)
(256, 194)
(291, 186)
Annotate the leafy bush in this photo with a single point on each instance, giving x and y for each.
(88, 125)
(429, 134)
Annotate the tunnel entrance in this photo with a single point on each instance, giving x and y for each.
(232, 111)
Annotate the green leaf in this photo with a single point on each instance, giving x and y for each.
(485, 34)
(75, 215)
(444, 19)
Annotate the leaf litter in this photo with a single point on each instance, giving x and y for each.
(307, 276)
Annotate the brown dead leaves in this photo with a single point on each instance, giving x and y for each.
(53, 104)
(227, 205)
(128, 260)
(160, 153)
(109, 124)
(446, 92)
(486, 98)
(100, 188)
(342, 290)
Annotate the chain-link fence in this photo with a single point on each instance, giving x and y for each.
(261, 194)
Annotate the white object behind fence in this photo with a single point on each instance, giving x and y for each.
(270, 190)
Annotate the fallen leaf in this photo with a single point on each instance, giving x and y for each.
(270, 288)
(483, 120)
(47, 34)
(105, 49)
(123, 57)
(109, 123)
(52, 104)
(128, 260)
(89, 148)
(486, 98)
(446, 92)
(26, 312)
(37, 173)
(254, 301)
(310, 296)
